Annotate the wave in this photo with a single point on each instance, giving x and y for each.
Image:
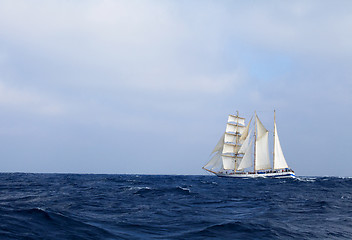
(145, 191)
(184, 189)
(173, 207)
(306, 179)
(238, 230)
(38, 223)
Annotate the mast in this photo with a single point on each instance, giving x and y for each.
(280, 161)
(255, 138)
(274, 141)
(234, 126)
(236, 154)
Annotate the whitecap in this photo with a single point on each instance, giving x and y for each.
(306, 179)
(184, 189)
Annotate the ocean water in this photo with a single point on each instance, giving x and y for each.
(72, 206)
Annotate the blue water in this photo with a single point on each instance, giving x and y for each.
(70, 206)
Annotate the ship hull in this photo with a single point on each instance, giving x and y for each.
(288, 174)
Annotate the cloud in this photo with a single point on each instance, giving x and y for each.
(306, 28)
(28, 101)
(171, 69)
(135, 44)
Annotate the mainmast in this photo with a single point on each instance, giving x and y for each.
(255, 138)
(274, 141)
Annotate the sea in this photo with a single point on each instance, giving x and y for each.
(90, 206)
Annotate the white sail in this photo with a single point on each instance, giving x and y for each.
(230, 138)
(247, 158)
(262, 160)
(235, 119)
(245, 132)
(230, 149)
(280, 161)
(228, 162)
(233, 128)
(245, 144)
(238, 160)
(219, 145)
(215, 162)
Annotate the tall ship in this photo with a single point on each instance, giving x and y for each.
(243, 151)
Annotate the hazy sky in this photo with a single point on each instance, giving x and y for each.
(146, 86)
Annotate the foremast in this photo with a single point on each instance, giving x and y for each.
(236, 143)
(234, 128)
(227, 155)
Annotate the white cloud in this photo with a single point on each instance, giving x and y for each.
(28, 101)
(138, 44)
(170, 67)
(169, 46)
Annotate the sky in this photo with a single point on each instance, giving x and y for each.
(145, 87)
